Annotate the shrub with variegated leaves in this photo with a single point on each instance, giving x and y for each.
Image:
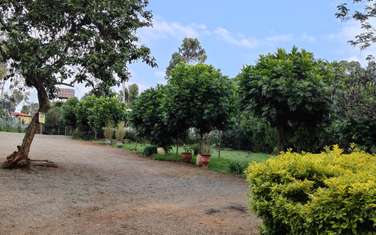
(304, 193)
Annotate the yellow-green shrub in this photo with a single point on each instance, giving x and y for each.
(305, 193)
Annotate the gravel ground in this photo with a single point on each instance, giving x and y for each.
(103, 190)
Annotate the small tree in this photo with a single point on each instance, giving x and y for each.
(149, 117)
(129, 94)
(133, 92)
(93, 113)
(199, 96)
(69, 110)
(49, 43)
(288, 90)
(54, 120)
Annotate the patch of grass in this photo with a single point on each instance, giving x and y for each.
(230, 161)
(242, 156)
(233, 161)
(168, 157)
(135, 147)
(219, 165)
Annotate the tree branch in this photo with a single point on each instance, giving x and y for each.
(65, 84)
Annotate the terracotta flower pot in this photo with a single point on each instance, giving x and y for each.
(186, 157)
(203, 160)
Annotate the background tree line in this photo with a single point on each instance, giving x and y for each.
(286, 100)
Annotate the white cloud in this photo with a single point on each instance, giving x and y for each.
(165, 29)
(347, 33)
(308, 38)
(235, 39)
(282, 38)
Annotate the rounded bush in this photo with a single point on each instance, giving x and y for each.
(150, 150)
(326, 193)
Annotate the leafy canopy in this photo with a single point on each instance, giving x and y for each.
(364, 11)
(62, 42)
(149, 117)
(199, 96)
(93, 113)
(287, 89)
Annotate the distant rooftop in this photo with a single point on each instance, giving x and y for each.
(65, 93)
(19, 114)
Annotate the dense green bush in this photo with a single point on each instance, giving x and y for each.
(92, 114)
(148, 117)
(326, 193)
(150, 150)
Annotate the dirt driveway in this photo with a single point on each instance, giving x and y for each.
(103, 190)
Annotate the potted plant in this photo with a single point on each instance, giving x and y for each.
(108, 132)
(204, 157)
(120, 134)
(186, 156)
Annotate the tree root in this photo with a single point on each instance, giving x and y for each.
(43, 163)
(18, 160)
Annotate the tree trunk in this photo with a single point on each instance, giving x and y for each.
(20, 158)
(219, 144)
(281, 139)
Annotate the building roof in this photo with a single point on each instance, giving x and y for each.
(19, 114)
(65, 93)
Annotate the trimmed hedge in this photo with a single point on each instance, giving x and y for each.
(326, 193)
(150, 150)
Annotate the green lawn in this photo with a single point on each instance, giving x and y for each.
(135, 147)
(223, 164)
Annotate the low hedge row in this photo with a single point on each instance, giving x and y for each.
(327, 193)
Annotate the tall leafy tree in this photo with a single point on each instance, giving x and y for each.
(69, 110)
(129, 94)
(49, 43)
(363, 11)
(198, 96)
(149, 117)
(354, 105)
(133, 92)
(190, 52)
(2, 79)
(288, 90)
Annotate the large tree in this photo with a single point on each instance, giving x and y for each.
(353, 112)
(149, 117)
(363, 11)
(288, 90)
(198, 96)
(2, 79)
(49, 43)
(190, 52)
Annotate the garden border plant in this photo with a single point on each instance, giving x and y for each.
(305, 193)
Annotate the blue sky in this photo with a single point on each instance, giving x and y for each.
(235, 33)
